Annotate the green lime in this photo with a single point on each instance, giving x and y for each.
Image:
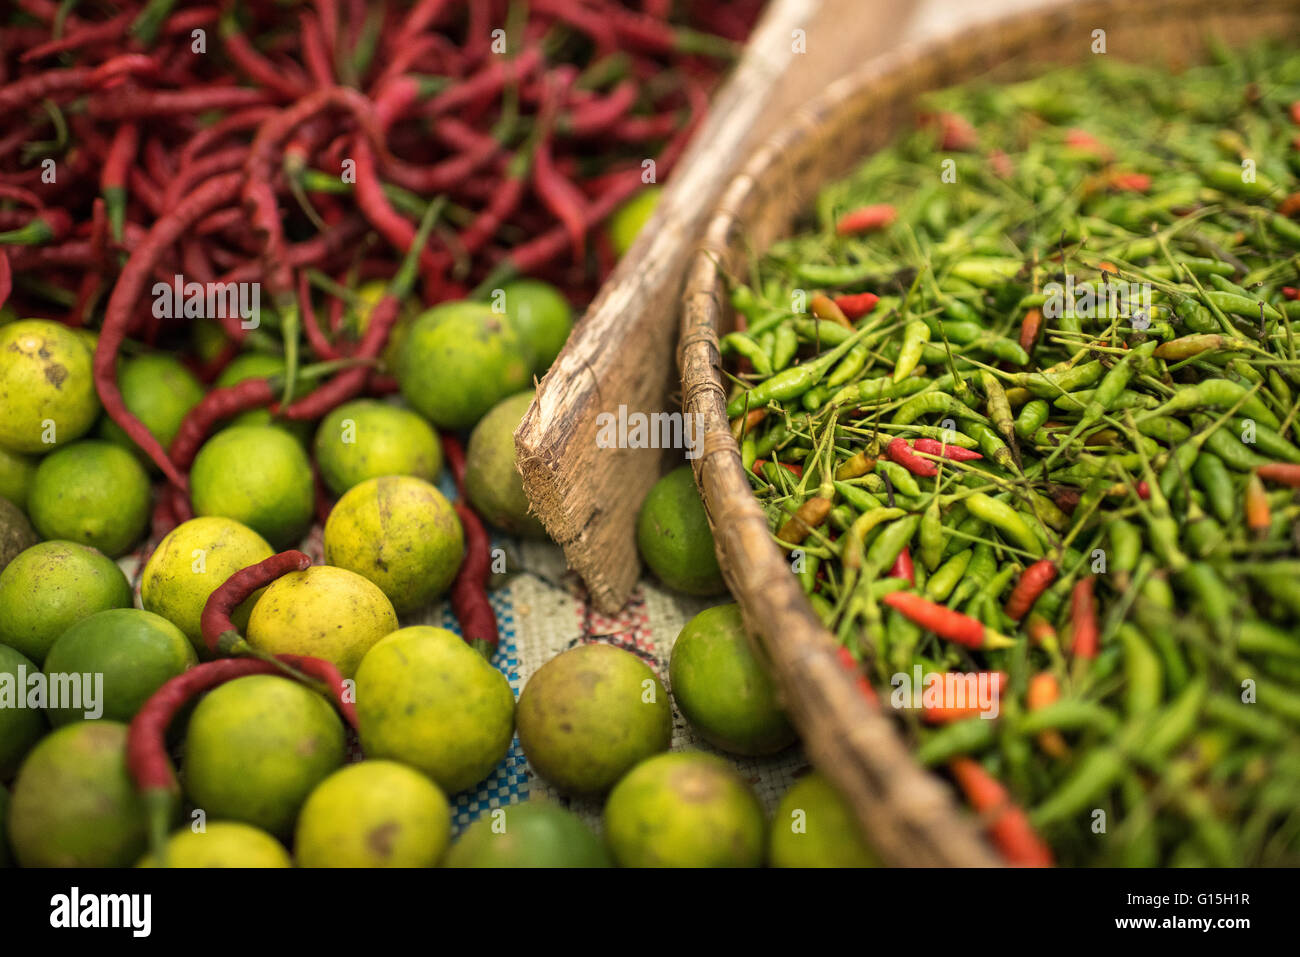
(402, 534)
(366, 439)
(722, 688)
(190, 563)
(591, 713)
(222, 844)
(373, 814)
(815, 827)
(629, 219)
(207, 340)
(542, 317)
(427, 699)
(684, 809)
(259, 476)
(535, 833)
(493, 483)
(73, 804)
(256, 747)
(159, 391)
(461, 358)
(20, 726)
(92, 492)
(16, 532)
(260, 365)
(47, 393)
(134, 651)
(673, 536)
(324, 612)
(52, 586)
(16, 474)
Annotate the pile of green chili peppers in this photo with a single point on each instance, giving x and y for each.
(1121, 441)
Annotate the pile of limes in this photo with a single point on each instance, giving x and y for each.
(264, 769)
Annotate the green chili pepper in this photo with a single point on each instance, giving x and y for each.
(1007, 520)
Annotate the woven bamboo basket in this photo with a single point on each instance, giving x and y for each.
(909, 815)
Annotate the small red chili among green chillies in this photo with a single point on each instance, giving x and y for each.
(1069, 384)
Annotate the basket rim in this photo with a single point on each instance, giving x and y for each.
(777, 614)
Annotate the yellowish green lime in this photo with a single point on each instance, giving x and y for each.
(47, 393)
(324, 612)
(191, 562)
(425, 698)
(373, 814)
(259, 476)
(630, 218)
(159, 391)
(543, 318)
(94, 493)
(400, 533)
(50, 587)
(815, 827)
(494, 485)
(222, 844)
(534, 833)
(723, 689)
(461, 358)
(590, 714)
(134, 651)
(684, 809)
(673, 536)
(366, 439)
(256, 747)
(73, 803)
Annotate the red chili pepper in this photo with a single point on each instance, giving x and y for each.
(143, 104)
(1030, 326)
(795, 469)
(1083, 620)
(1130, 182)
(866, 219)
(469, 597)
(903, 567)
(857, 305)
(6, 278)
(1008, 825)
(107, 31)
(955, 131)
(950, 712)
(21, 94)
(1284, 472)
(1044, 690)
(254, 65)
(1143, 490)
(1290, 292)
(216, 192)
(1033, 582)
(1295, 112)
(900, 452)
(1084, 141)
(863, 685)
(946, 623)
(113, 175)
(953, 452)
(1259, 518)
(1001, 164)
(219, 632)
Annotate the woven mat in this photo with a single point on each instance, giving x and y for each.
(542, 610)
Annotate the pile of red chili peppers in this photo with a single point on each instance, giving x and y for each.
(254, 141)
